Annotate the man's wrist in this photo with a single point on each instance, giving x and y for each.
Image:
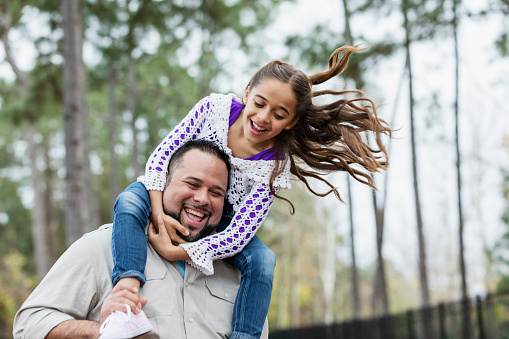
(85, 329)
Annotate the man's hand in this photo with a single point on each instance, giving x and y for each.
(160, 240)
(121, 295)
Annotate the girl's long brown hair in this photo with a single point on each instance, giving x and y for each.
(329, 137)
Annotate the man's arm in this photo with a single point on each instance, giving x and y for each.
(71, 290)
(120, 296)
(85, 329)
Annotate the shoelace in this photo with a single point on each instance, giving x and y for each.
(114, 316)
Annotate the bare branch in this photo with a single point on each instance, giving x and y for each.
(21, 77)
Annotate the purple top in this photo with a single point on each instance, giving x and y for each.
(235, 111)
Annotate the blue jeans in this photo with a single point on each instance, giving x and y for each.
(128, 241)
(256, 262)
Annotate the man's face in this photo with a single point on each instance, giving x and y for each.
(195, 193)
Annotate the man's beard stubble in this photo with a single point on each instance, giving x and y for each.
(205, 231)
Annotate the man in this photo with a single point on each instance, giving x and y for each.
(76, 296)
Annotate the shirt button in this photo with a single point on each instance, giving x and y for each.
(187, 284)
(191, 320)
(226, 295)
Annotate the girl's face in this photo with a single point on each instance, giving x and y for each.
(270, 108)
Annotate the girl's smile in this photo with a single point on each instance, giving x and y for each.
(270, 108)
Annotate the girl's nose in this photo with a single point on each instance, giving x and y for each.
(264, 116)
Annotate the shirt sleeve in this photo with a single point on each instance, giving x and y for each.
(67, 292)
(189, 128)
(247, 220)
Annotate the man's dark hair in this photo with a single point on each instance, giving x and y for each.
(203, 145)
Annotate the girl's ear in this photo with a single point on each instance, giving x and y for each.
(246, 94)
(292, 124)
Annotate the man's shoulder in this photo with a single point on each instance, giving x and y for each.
(103, 232)
(98, 241)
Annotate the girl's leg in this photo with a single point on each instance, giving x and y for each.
(256, 263)
(128, 242)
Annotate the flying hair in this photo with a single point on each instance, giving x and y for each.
(327, 137)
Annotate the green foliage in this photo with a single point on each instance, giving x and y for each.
(15, 221)
(314, 49)
(502, 44)
(501, 250)
(16, 285)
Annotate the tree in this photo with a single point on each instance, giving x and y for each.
(41, 233)
(81, 214)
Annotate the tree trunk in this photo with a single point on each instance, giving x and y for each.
(294, 282)
(381, 281)
(464, 289)
(112, 127)
(41, 232)
(354, 274)
(327, 263)
(132, 101)
(423, 277)
(81, 216)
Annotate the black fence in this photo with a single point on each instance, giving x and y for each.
(478, 318)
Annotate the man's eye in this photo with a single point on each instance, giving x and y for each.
(216, 194)
(192, 184)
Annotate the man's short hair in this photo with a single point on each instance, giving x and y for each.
(206, 146)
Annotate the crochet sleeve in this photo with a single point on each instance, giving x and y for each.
(247, 220)
(189, 128)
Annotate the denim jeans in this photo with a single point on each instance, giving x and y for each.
(256, 262)
(128, 241)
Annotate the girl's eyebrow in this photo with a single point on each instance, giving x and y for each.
(283, 108)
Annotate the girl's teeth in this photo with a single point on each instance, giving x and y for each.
(257, 128)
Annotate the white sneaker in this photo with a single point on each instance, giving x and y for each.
(120, 325)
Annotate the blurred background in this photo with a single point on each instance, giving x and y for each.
(81, 112)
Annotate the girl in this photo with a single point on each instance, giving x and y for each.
(274, 130)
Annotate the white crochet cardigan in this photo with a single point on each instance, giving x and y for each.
(249, 180)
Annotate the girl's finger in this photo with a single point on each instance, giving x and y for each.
(172, 224)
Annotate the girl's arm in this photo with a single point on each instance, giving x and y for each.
(156, 169)
(248, 218)
(171, 225)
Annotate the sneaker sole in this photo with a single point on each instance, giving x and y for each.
(132, 334)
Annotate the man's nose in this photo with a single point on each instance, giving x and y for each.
(201, 196)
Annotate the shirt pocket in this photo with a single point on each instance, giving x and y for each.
(159, 291)
(219, 302)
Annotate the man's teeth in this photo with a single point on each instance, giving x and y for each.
(194, 212)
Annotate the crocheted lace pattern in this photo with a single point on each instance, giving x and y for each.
(249, 180)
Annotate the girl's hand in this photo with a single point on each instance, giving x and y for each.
(121, 295)
(172, 226)
(160, 240)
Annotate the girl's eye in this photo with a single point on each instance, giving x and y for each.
(258, 104)
(278, 117)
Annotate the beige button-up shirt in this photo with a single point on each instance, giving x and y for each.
(193, 306)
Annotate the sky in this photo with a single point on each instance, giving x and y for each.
(484, 121)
